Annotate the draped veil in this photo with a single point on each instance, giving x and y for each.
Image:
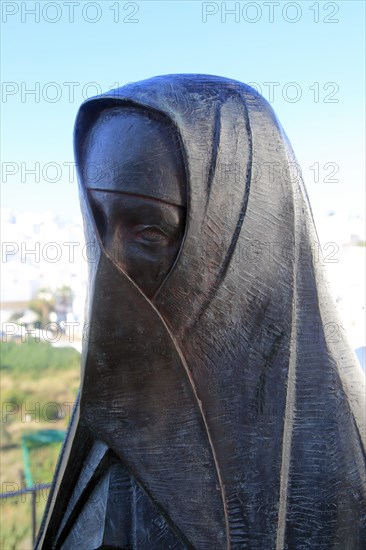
(232, 398)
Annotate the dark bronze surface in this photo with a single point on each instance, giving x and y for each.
(215, 410)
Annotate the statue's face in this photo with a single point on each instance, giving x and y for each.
(137, 163)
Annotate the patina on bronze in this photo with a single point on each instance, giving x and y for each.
(214, 411)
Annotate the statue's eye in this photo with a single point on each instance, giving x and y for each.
(152, 234)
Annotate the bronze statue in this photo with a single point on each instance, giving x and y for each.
(215, 411)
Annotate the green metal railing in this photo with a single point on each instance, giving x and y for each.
(35, 440)
(29, 442)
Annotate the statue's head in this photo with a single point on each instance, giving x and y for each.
(135, 176)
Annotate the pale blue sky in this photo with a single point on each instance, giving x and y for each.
(170, 37)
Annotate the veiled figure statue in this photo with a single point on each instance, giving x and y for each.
(220, 406)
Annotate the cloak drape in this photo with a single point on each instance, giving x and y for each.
(228, 411)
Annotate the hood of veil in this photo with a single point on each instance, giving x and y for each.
(233, 392)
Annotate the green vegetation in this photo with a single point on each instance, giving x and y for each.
(38, 387)
(43, 303)
(33, 357)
